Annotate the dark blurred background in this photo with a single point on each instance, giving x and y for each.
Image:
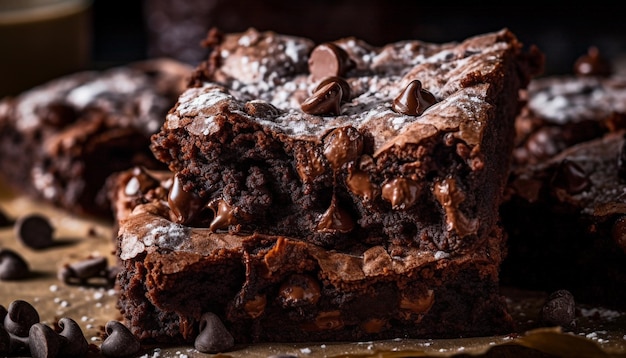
(102, 33)
(131, 30)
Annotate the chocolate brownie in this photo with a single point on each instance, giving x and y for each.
(331, 191)
(566, 221)
(563, 110)
(59, 141)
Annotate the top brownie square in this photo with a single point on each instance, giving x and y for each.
(346, 145)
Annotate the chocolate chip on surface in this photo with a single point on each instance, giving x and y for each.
(74, 343)
(120, 341)
(12, 265)
(21, 315)
(559, 309)
(82, 270)
(43, 341)
(413, 100)
(324, 101)
(345, 87)
(213, 336)
(328, 59)
(35, 231)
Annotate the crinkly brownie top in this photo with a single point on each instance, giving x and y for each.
(281, 82)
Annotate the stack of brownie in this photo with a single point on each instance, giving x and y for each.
(326, 192)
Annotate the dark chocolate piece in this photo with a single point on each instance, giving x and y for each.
(43, 341)
(12, 265)
(20, 317)
(213, 337)
(559, 309)
(329, 59)
(74, 343)
(35, 231)
(120, 342)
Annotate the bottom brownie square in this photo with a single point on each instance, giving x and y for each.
(276, 288)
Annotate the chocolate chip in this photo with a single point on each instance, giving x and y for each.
(261, 109)
(73, 343)
(559, 309)
(570, 177)
(43, 341)
(342, 145)
(4, 220)
(328, 59)
(12, 265)
(85, 269)
(184, 205)
(345, 87)
(593, 64)
(324, 101)
(34, 231)
(21, 315)
(213, 336)
(413, 100)
(120, 341)
(282, 356)
(5, 342)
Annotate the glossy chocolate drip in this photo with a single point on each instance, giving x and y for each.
(402, 193)
(224, 215)
(450, 197)
(184, 206)
(335, 219)
(342, 145)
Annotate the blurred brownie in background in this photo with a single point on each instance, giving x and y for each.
(61, 140)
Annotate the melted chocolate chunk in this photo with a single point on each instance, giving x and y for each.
(34, 231)
(328, 59)
(593, 64)
(402, 193)
(570, 177)
(213, 336)
(120, 342)
(185, 206)
(343, 145)
(12, 265)
(346, 93)
(413, 100)
(335, 219)
(299, 290)
(559, 309)
(324, 101)
(224, 215)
